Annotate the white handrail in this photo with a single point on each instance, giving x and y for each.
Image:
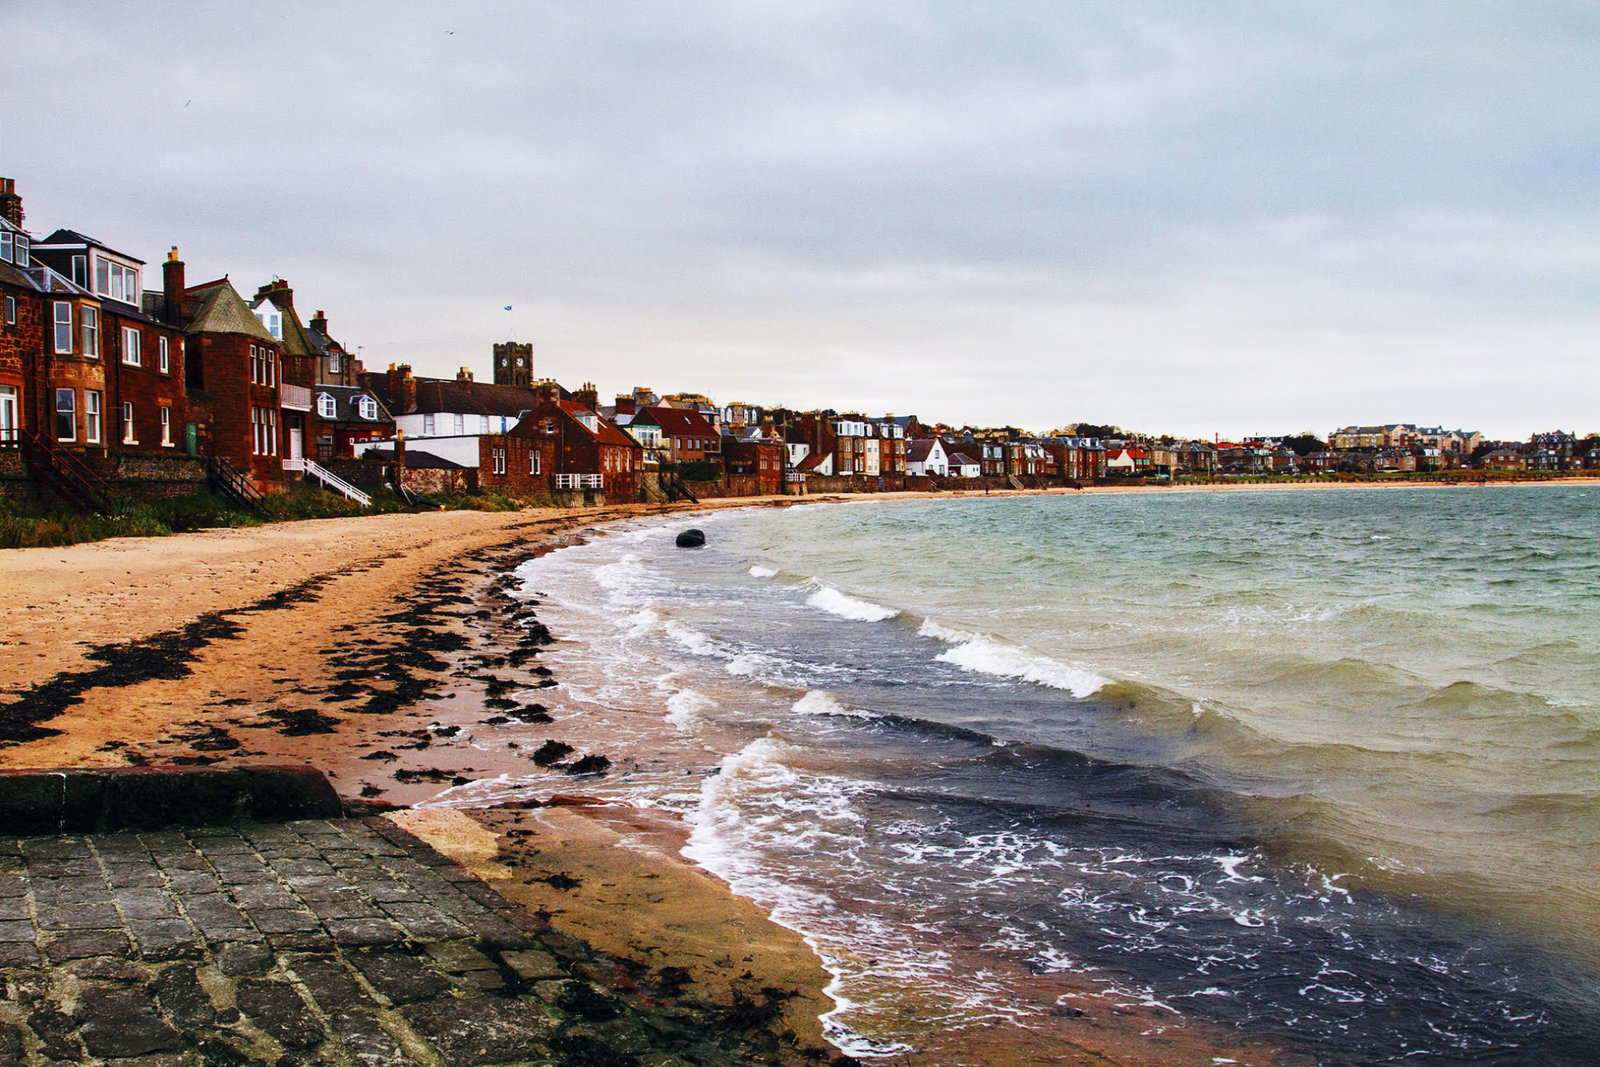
(336, 483)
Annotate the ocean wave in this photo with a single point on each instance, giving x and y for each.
(829, 599)
(758, 571)
(685, 707)
(817, 702)
(983, 654)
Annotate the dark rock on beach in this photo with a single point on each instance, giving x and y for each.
(691, 538)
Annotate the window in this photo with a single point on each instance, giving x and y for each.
(80, 270)
(326, 407)
(11, 310)
(163, 357)
(499, 457)
(166, 427)
(112, 280)
(91, 332)
(533, 462)
(264, 431)
(130, 347)
(333, 361)
(63, 328)
(461, 424)
(367, 406)
(5, 245)
(66, 415)
(93, 424)
(129, 437)
(484, 417)
(427, 425)
(20, 256)
(269, 360)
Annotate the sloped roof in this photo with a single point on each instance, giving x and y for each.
(295, 340)
(73, 237)
(961, 459)
(607, 433)
(815, 460)
(346, 408)
(919, 450)
(679, 422)
(224, 311)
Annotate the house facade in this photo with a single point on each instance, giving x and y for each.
(561, 447)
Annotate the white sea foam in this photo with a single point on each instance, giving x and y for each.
(817, 702)
(829, 599)
(685, 707)
(759, 571)
(983, 654)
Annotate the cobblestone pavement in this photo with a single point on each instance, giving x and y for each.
(337, 942)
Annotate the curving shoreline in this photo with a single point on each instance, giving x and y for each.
(382, 649)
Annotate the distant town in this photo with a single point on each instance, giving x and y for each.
(109, 387)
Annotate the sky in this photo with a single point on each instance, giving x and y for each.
(1201, 219)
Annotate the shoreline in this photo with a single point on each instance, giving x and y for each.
(374, 648)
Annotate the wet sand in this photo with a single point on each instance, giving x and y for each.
(386, 651)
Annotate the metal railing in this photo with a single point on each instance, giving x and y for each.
(332, 481)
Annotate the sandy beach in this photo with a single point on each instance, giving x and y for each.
(367, 647)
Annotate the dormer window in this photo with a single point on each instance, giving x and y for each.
(6, 246)
(326, 408)
(590, 423)
(368, 407)
(272, 319)
(115, 281)
(20, 254)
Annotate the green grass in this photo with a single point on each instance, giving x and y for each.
(29, 524)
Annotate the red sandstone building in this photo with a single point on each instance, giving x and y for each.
(560, 447)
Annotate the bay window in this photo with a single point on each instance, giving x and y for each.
(63, 327)
(66, 415)
(91, 332)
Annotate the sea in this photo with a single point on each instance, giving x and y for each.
(1316, 769)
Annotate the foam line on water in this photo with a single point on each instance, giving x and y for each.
(983, 654)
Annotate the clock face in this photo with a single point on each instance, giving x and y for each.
(520, 361)
(502, 361)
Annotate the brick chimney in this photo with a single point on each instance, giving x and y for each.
(402, 389)
(279, 292)
(319, 322)
(172, 286)
(588, 396)
(464, 374)
(625, 405)
(10, 202)
(548, 392)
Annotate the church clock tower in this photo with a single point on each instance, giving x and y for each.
(513, 364)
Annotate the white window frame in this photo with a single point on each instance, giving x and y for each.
(130, 347)
(70, 411)
(93, 427)
(333, 362)
(5, 245)
(533, 461)
(163, 356)
(327, 406)
(130, 435)
(367, 407)
(461, 425)
(498, 458)
(63, 323)
(166, 427)
(11, 310)
(20, 250)
(427, 425)
(91, 331)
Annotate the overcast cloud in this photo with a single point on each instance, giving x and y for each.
(1195, 218)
